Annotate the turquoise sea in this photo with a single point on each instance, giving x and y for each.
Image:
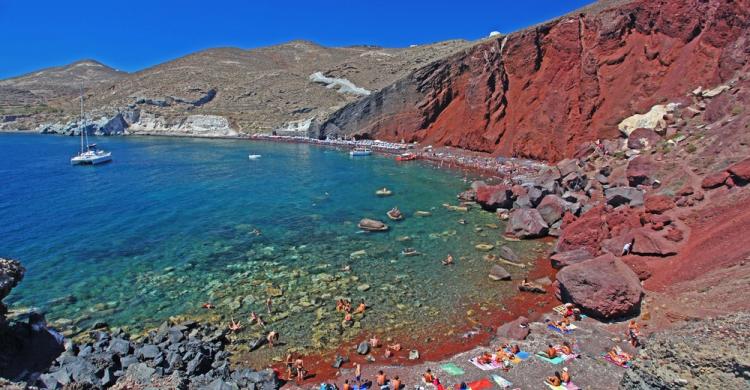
(172, 223)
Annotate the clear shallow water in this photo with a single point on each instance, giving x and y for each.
(170, 224)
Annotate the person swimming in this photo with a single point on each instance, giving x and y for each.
(347, 321)
(234, 326)
(361, 307)
(448, 260)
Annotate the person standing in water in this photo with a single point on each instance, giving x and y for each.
(269, 302)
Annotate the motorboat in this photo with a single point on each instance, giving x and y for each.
(384, 192)
(395, 214)
(253, 156)
(406, 157)
(360, 151)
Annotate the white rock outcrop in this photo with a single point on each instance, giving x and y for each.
(653, 119)
(341, 85)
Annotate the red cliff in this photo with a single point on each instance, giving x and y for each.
(541, 92)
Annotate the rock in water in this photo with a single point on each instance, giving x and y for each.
(11, 273)
(372, 225)
(604, 287)
(507, 253)
(497, 272)
(526, 223)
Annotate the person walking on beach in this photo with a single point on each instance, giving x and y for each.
(358, 372)
(298, 364)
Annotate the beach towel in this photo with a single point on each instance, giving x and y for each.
(452, 369)
(558, 330)
(609, 359)
(481, 384)
(571, 386)
(485, 367)
(555, 360)
(554, 387)
(502, 382)
(522, 355)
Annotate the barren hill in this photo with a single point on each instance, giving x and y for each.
(255, 90)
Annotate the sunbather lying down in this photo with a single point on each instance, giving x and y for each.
(619, 356)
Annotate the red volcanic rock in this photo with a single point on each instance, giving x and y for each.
(674, 234)
(714, 180)
(741, 170)
(640, 170)
(526, 223)
(517, 329)
(657, 204)
(639, 266)
(543, 91)
(604, 287)
(494, 197)
(643, 138)
(586, 232)
(686, 190)
(649, 243)
(564, 259)
(551, 208)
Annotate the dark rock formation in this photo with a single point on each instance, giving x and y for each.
(711, 353)
(526, 223)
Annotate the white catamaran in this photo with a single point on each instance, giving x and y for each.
(89, 155)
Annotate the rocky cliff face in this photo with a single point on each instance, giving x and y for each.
(706, 354)
(543, 91)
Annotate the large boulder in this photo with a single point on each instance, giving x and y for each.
(587, 232)
(548, 179)
(643, 138)
(657, 204)
(651, 243)
(624, 195)
(568, 166)
(551, 208)
(640, 171)
(741, 170)
(563, 259)
(494, 197)
(526, 223)
(714, 180)
(517, 329)
(604, 287)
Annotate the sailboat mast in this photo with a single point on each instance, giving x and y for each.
(81, 125)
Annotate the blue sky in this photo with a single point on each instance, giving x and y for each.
(131, 35)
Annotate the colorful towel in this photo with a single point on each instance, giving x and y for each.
(481, 384)
(609, 359)
(555, 360)
(485, 367)
(452, 369)
(556, 329)
(502, 382)
(571, 386)
(554, 387)
(522, 355)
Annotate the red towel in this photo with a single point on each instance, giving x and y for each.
(481, 384)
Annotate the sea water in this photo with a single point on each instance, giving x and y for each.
(172, 223)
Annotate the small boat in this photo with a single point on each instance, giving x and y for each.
(253, 156)
(371, 225)
(408, 252)
(406, 157)
(395, 214)
(356, 152)
(90, 155)
(383, 192)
